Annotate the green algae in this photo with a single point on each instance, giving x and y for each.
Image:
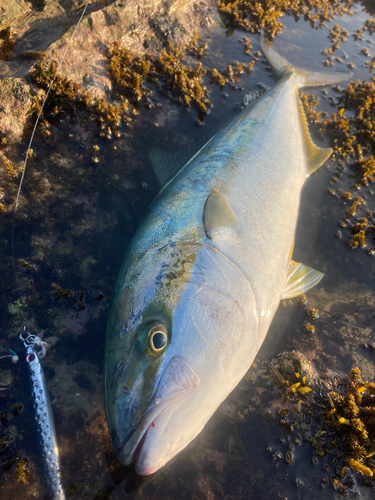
(18, 308)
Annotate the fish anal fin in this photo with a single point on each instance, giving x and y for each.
(315, 155)
(300, 279)
(218, 215)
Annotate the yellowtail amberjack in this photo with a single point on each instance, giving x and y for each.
(204, 274)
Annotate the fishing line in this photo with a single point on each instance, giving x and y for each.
(35, 126)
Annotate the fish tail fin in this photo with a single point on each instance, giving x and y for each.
(307, 78)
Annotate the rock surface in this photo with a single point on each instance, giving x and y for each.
(14, 106)
(143, 26)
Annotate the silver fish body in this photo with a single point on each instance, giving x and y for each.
(204, 274)
(44, 417)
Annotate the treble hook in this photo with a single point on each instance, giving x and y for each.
(33, 340)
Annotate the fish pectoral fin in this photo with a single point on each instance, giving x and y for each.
(218, 215)
(315, 155)
(300, 279)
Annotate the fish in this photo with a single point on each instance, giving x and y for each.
(206, 269)
(43, 410)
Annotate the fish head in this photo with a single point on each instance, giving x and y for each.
(181, 334)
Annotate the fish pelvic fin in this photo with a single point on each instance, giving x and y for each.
(307, 78)
(300, 279)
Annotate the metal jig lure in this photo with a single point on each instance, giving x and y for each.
(43, 411)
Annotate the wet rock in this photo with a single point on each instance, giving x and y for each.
(10, 11)
(76, 388)
(6, 379)
(347, 317)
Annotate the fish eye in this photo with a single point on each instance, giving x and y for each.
(157, 339)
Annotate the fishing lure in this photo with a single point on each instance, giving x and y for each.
(36, 349)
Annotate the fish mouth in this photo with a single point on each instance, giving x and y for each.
(178, 382)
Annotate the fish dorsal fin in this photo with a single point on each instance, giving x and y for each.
(167, 164)
(218, 215)
(300, 279)
(315, 156)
